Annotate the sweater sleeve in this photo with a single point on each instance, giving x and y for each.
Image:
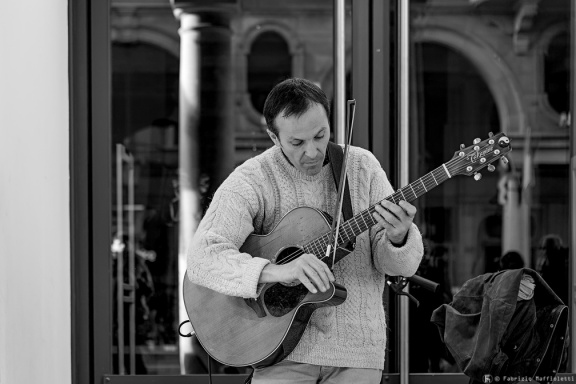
(214, 259)
(389, 259)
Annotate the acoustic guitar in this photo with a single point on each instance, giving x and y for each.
(262, 332)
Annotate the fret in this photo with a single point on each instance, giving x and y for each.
(368, 215)
(326, 242)
(415, 195)
(321, 246)
(432, 173)
(424, 185)
(402, 193)
(313, 250)
(342, 232)
(320, 249)
(347, 229)
(441, 176)
(372, 219)
(420, 188)
(446, 169)
(367, 226)
(413, 192)
(361, 225)
(357, 226)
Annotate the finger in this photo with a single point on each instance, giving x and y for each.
(327, 270)
(306, 282)
(320, 266)
(325, 273)
(318, 261)
(385, 218)
(408, 208)
(394, 209)
(315, 277)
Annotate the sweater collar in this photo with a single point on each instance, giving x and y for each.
(281, 159)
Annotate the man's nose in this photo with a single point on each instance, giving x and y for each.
(310, 150)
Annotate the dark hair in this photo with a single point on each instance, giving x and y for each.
(293, 96)
(551, 242)
(511, 260)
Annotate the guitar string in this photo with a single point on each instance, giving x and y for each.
(312, 244)
(300, 252)
(454, 170)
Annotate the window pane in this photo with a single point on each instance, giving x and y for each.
(461, 219)
(468, 81)
(238, 57)
(269, 63)
(557, 72)
(145, 134)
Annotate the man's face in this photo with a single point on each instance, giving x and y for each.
(304, 138)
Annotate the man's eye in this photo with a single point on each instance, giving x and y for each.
(297, 143)
(320, 137)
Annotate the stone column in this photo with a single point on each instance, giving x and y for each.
(206, 131)
(516, 222)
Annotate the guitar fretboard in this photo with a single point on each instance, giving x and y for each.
(365, 219)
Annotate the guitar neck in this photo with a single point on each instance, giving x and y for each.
(365, 219)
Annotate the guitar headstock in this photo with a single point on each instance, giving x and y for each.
(468, 161)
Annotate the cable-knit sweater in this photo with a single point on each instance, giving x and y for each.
(254, 198)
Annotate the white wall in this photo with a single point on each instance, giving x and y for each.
(34, 193)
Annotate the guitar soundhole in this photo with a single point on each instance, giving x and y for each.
(281, 299)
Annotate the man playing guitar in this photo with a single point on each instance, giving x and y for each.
(344, 343)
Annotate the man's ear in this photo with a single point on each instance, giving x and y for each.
(274, 138)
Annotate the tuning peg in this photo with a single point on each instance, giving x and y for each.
(491, 168)
(462, 146)
(476, 141)
(477, 176)
(490, 134)
(504, 160)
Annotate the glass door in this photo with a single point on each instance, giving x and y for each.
(467, 78)
(187, 94)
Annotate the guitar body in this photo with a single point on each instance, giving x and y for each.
(262, 332)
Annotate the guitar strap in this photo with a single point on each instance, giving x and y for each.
(336, 156)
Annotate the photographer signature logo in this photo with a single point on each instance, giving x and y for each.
(487, 379)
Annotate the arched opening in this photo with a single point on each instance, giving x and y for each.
(269, 62)
(144, 80)
(557, 73)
